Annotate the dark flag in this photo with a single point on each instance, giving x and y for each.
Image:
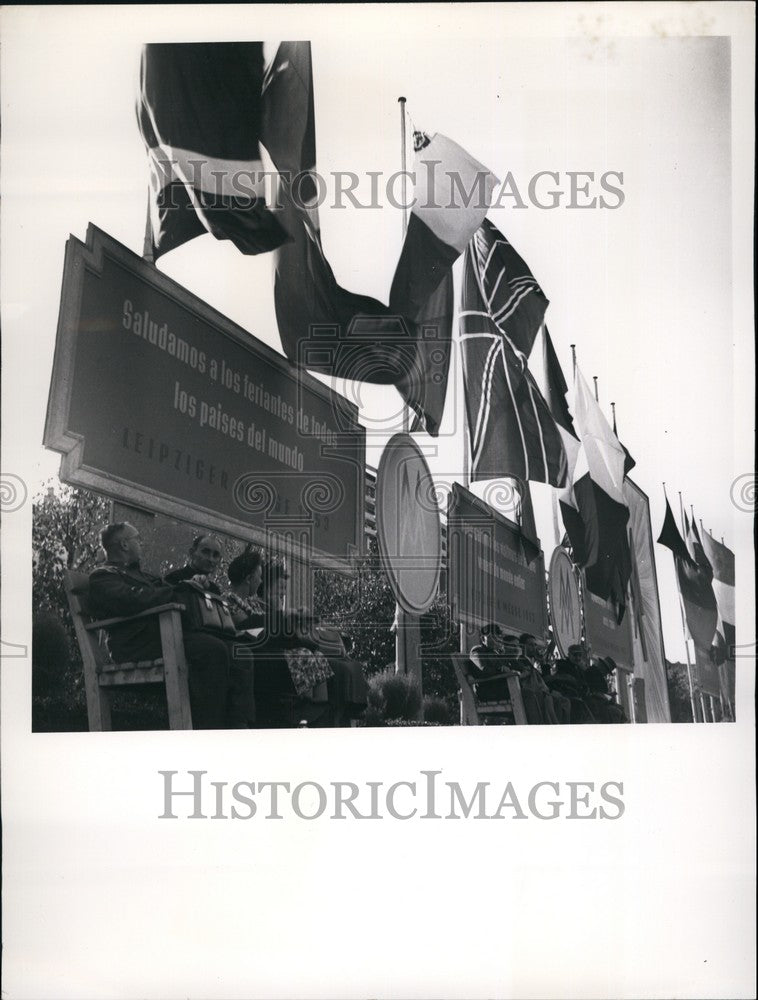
(695, 587)
(594, 510)
(511, 430)
(329, 329)
(721, 560)
(629, 462)
(555, 391)
(199, 113)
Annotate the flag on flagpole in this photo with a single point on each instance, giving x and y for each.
(695, 587)
(329, 329)
(555, 392)
(595, 512)
(199, 113)
(511, 430)
(721, 560)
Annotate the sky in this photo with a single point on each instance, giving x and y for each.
(649, 292)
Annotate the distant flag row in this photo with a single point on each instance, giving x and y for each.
(705, 577)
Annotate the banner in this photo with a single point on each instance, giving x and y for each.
(647, 637)
(604, 636)
(495, 575)
(160, 401)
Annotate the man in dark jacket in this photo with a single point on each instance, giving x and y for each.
(121, 588)
(204, 558)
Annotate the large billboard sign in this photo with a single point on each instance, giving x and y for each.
(495, 574)
(604, 635)
(160, 401)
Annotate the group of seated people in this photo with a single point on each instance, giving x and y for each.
(573, 690)
(255, 664)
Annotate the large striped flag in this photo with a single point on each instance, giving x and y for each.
(511, 430)
(721, 559)
(199, 113)
(329, 329)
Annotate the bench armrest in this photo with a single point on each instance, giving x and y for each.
(110, 622)
(483, 680)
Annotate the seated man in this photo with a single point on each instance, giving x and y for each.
(488, 662)
(556, 706)
(569, 680)
(602, 703)
(218, 699)
(204, 558)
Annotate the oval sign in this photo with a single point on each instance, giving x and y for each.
(408, 524)
(565, 606)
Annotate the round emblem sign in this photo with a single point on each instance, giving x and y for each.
(565, 607)
(408, 524)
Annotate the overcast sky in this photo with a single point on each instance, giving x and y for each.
(646, 290)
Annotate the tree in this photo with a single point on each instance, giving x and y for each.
(66, 524)
(679, 692)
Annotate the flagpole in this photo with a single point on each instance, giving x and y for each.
(403, 168)
(407, 636)
(573, 360)
(684, 627)
(147, 245)
(613, 410)
(594, 379)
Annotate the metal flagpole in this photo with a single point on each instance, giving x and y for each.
(408, 633)
(403, 167)
(594, 379)
(684, 628)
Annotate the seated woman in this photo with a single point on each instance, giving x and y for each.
(245, 576)
(310, 651)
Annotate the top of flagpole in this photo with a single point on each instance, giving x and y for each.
(403, 163)
(573, 358)
(597, 397)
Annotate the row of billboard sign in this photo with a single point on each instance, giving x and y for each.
(163, 403)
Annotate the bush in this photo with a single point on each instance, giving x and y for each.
(437, 711)
(392, 696)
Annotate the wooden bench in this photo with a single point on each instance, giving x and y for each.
(102, 675)
(474, 711)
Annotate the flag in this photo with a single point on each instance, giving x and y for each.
(555, 391)
(329, 329)
(199, 112)
(511, 429)
(452, 193)
(288, 127)
(594, 510)
(695, 588)
(721, 560)
(629, 462)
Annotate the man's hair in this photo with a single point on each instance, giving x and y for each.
(198, 538)
(273, 569)
(492, 629)
(242, 566)
(526, 636)
(111, 534)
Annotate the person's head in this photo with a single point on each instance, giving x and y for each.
(121, 542)
(275, 578)
(205, 554)
(511, 647)
(246, 571)
(492, 634)
(531, 645)
(577, 654)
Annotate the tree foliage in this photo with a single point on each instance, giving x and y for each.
(66, 525)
